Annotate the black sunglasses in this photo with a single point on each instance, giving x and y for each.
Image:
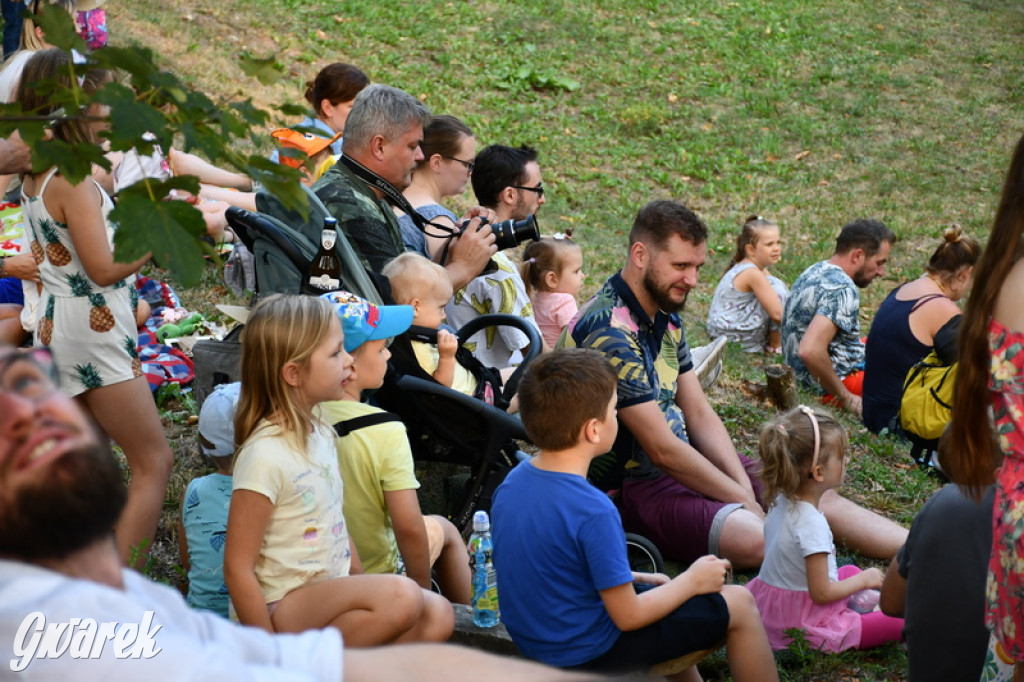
(468, 164)
(539, 189)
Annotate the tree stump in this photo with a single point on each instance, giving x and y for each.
(781, 386)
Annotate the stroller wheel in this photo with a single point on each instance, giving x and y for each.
(643, 556)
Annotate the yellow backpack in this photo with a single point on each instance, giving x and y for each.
(926, 403)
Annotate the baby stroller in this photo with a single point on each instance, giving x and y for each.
(444, 425)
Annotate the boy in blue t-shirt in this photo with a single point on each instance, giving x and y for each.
(204, 509)
(568, 597)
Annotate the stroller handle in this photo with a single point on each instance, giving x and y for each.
(248, 224)
(504, 320)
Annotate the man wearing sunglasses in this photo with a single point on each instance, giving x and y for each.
(506, 180)
(383, 133)
(70, 610)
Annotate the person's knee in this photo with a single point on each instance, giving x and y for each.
(740, 602)
(439, 617)
(742, 540)
(402, 603)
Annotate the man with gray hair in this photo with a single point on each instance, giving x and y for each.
(380, 150)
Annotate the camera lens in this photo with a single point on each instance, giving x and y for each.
(509, 234)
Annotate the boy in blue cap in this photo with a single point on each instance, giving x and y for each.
(381, 506)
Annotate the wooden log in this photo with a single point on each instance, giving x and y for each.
(781, 386)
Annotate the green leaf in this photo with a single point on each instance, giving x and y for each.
(168, 229)
(281, 181)
(293, 109)
(59, 28)
(131, 119)
(267, 71)
(73, 161)
(249, 113)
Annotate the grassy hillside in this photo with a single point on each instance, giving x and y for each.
(808, 112)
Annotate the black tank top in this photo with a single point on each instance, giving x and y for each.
(891, 350)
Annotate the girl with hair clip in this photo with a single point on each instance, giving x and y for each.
(87, 308)
(991, 375)
(288, 557)
(552, 270)
(907, 325)
(799, 586)
(748, 301)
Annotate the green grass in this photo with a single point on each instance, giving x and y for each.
(808, 112)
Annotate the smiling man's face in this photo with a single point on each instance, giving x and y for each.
(60, 488)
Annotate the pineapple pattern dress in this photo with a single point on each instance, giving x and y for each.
(90, 329)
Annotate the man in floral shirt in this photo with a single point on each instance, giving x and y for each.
(681, 481)
(820, 325)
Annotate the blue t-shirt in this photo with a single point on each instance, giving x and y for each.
(205, 517)
(558, 541)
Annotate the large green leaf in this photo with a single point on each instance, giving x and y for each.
(74, 161)
(168, 229)
(131, 119)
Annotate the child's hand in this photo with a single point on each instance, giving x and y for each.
(708, 573)
(447, 343)
(872, 579)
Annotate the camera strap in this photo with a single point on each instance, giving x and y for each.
(394, 196)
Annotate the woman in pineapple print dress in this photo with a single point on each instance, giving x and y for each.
(87, 302)
(991, 373)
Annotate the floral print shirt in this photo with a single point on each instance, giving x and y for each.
(823, 289)
(648, 355)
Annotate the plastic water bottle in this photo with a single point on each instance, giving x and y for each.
(485, 584)
(864, 601)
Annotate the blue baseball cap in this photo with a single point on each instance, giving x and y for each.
(363, 321)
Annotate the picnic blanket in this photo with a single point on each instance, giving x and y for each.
(11, 229)
(160, 363)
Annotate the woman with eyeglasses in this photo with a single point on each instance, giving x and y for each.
(448, 152)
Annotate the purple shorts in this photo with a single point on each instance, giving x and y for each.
(683, 524)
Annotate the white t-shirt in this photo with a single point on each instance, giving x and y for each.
(306, 540)
(193, 645)
(793, 531)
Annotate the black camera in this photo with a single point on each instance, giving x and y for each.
(509, 234)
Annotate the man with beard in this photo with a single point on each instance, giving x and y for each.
(820, 324)
(69, 610)
(382, 140)
(680, 480)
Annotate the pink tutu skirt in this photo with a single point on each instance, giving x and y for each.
(829, 627)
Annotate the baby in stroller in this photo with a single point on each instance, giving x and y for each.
(427, 287)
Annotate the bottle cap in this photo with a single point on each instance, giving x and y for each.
(481, 521)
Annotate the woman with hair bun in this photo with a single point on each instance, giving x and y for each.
(906, 324)
(331, 95)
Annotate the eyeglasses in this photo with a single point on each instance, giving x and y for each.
(468, 164)
(29, 372)
(539, 189)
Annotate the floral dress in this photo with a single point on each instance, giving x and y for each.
(1005, 589)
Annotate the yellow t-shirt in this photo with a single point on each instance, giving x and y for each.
(373, 460)
(427, 356)
(306, 540)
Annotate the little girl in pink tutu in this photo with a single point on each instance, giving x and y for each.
(804, 455)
